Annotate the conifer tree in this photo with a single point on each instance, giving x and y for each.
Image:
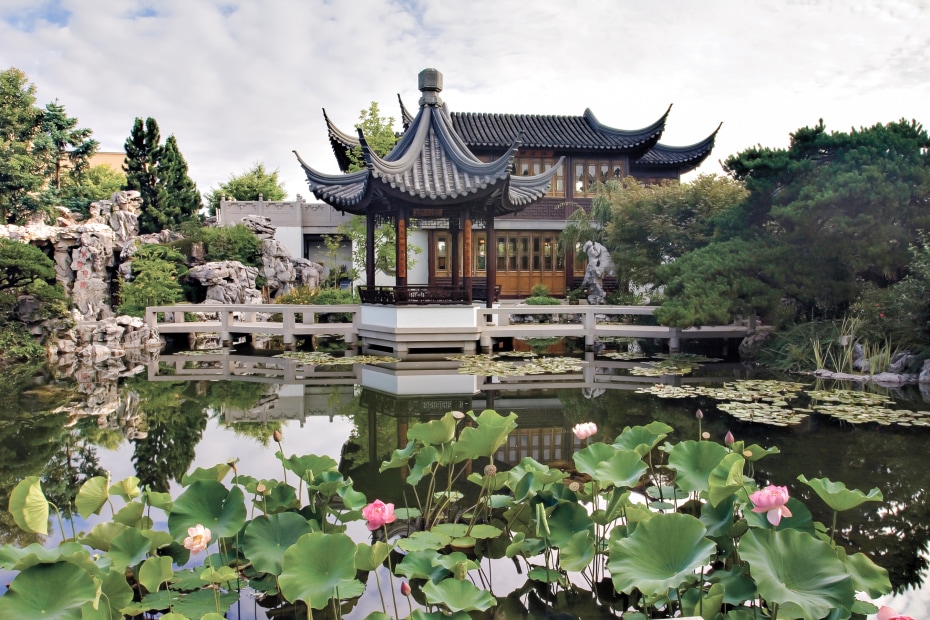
(20, 171)
(178, 196)
(142, 154)
(65, 149)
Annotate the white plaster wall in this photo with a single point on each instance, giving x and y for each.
(292, 238)
(426, 317)
(412, 385)
(419, 272)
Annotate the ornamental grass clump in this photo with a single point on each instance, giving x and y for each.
(634, 524)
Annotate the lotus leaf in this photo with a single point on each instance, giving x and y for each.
(622, 469)
(92, 496)
(455, 562)
(567, 520)
(266, 539)
(317, 568)
(218, 472)
(156, 571)
(487, 437)
(458, 595)
(132, 515)
(867, 576)
(434, 432)
(577, 553)
(793, 568)
(208, 503)
(399, 458)
(199, 603)
(308, 466)
(420, 564)
(128, 548)
(50, 591)
(693, 461)
(661, 554)
(837, 496)
(102, 535)
(727, 478)
(370, 557)
(419, 541)
(127, 488)
(642, 439)
(115, 593)
(29, 507)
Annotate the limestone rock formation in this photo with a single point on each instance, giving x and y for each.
(228, 282)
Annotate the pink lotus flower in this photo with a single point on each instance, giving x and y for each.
(377, 513)
(584, 430)
(198, 538)
(887, 613)
(772, 500)
(405, 588)
(729, 439)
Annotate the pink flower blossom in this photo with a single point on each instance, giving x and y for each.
(377, 513)
(887, 613)
(772, 500)
(198, 538)
(729, 439)
(584, 430)
(405, 588)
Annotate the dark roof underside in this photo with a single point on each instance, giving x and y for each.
(685, 158)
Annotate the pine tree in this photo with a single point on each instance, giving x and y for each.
(20, 171)
(66, 150)
(142, 154)
(178, 197)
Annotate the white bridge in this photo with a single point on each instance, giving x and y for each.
(404, 331)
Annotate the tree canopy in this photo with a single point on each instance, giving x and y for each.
(248, 185)
(825, 217)
(379, 133)
(159, 173)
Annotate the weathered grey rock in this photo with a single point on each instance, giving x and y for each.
(309, 273)
(277, 267)
(124, 219)
(924, 375)
(228, 282)
(260, 225)
(599, 266)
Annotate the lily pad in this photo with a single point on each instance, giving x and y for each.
(53, 591)
(317, 567)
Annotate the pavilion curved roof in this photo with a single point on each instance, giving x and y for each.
(684, 158)
(430, 165)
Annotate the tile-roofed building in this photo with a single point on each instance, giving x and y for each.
(518, 177)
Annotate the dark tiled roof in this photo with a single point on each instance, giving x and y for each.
(429, 165)
(685, 158)
(572, 133)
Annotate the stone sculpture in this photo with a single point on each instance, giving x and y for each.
(125, 219)
(599, 266)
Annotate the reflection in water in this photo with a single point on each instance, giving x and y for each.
(163, 416)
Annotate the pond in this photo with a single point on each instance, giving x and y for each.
(157, 419)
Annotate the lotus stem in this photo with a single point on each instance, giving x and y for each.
(833, 530)
(390, 571)
(380, 592)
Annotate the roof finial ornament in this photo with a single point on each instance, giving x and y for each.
(430, 84)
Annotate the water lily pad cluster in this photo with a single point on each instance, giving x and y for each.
(664, 367)
(488, 365)
(605, 517)
(625, 355)
(864, 408)
(662, 390)
(317, 358)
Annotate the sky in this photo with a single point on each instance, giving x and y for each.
(245, 82)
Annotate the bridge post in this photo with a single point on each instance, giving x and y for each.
(289, 315)
(674, 341)
(225, 333)
(590, 323)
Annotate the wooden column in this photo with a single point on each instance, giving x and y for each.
(454, 250)
(370, 251)
(401, 247)
(467, 251)
(491, 266)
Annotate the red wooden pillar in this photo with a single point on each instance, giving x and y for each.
(401, 247)
(467, 250)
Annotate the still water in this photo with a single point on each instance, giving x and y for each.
(157, 419)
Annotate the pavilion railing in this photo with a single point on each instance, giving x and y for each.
(421, 295)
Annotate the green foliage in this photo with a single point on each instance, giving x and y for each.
(21, 264)
(97, 183)
(542, 300)
(159, 173)
(21, 171)
(17, 346)
(236, 243)
(65, 149)
(539, 290)
(143, 151)
(379, 134)
(385, 246)
(248, 185)
(178, 198)
(156, 271)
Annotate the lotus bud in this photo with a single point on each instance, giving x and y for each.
(490, 470)
(699, 414)
(461, 571)
(405, 588)
(277, 436)
(729, 438)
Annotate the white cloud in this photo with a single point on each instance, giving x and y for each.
(244, 82)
